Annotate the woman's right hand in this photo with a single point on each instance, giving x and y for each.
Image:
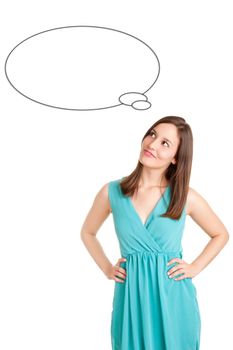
(116, 271)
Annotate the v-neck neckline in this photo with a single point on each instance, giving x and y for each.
(152, 211)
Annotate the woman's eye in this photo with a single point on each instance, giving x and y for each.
(153, 133)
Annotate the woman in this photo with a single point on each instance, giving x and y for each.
(155, 305)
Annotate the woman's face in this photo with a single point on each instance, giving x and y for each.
(163, 143)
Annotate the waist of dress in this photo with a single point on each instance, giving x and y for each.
(155, 252)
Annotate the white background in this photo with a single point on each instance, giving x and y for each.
(53, 162)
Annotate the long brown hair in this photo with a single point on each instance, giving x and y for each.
(178, 174)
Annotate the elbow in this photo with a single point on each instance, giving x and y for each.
(85, 234)
(82, 235)
(227, 237)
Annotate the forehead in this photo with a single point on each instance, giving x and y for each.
(168, 131)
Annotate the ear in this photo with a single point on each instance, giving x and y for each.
(173, 161)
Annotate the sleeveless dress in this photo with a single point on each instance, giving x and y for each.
(151, 311)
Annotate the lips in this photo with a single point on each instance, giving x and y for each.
(149, 152)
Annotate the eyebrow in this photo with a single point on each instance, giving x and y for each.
(164, 137)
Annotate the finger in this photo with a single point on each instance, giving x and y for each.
(180, 278)
(121, 274)
(117, 271)
(176, 272)
(174, 260)
(173, 269)
(119, 268)
(118, 280)
(122, 270)
(121, 259)
(119, 263)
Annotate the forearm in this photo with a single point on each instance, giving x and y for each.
(210, 251)
(96, 251)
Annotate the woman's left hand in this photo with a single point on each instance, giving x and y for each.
(188, 270)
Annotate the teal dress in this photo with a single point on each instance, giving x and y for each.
(151, 311)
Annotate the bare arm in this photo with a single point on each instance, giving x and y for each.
(204, 216)
(96, 216)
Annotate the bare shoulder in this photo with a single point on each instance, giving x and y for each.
(103, 196)
(200, 211)
(98, 212)
(106, 190)
(195, 200)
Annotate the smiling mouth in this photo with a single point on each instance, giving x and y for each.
(149, 153)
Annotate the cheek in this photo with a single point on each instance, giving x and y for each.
(145, 142)
(165, 155)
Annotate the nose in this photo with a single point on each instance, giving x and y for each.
(153, 144)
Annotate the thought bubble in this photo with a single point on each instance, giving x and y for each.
(83, 68)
